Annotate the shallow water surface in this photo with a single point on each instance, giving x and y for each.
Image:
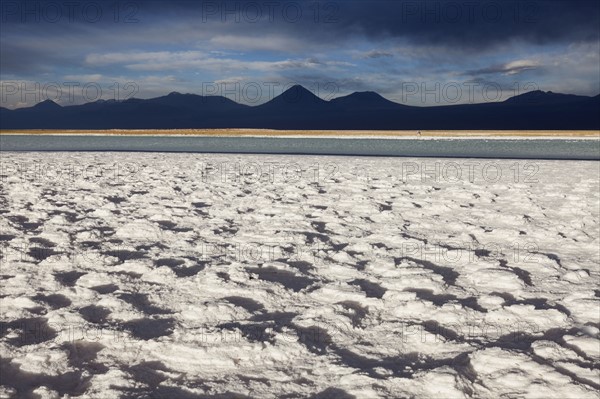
(447, 148)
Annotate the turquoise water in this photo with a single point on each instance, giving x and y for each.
(439, 148)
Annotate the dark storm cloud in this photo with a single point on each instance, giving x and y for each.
(471, 24)
(441, 22)
(24, 59)
(475, 24)
(377, 54)
(17, 60)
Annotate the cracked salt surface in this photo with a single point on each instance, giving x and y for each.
(193, 276)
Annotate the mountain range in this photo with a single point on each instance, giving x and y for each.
(298, 108)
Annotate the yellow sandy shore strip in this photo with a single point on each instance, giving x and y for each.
(318, 133)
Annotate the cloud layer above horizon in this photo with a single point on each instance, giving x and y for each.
(414, 52)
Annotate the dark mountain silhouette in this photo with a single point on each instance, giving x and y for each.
(294, 97)
(46, 105)
(365, 100)
(548, 97)
(298, 108)
(197, 103)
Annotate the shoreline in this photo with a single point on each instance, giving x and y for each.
(355, 134)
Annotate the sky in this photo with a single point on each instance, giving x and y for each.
(421, 53)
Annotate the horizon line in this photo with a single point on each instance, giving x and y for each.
(296, 86)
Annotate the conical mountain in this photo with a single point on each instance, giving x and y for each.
(47, 105)
(295, 97)
(364, 100)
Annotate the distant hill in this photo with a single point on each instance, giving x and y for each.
(299, 108)
(365, 100)
(541, 97)
(196, 102)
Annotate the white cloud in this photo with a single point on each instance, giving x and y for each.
(516, 67)
(197, 60)
(88, 78)
(151, 56)
(263, 43)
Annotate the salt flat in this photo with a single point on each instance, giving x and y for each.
(193, 275)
